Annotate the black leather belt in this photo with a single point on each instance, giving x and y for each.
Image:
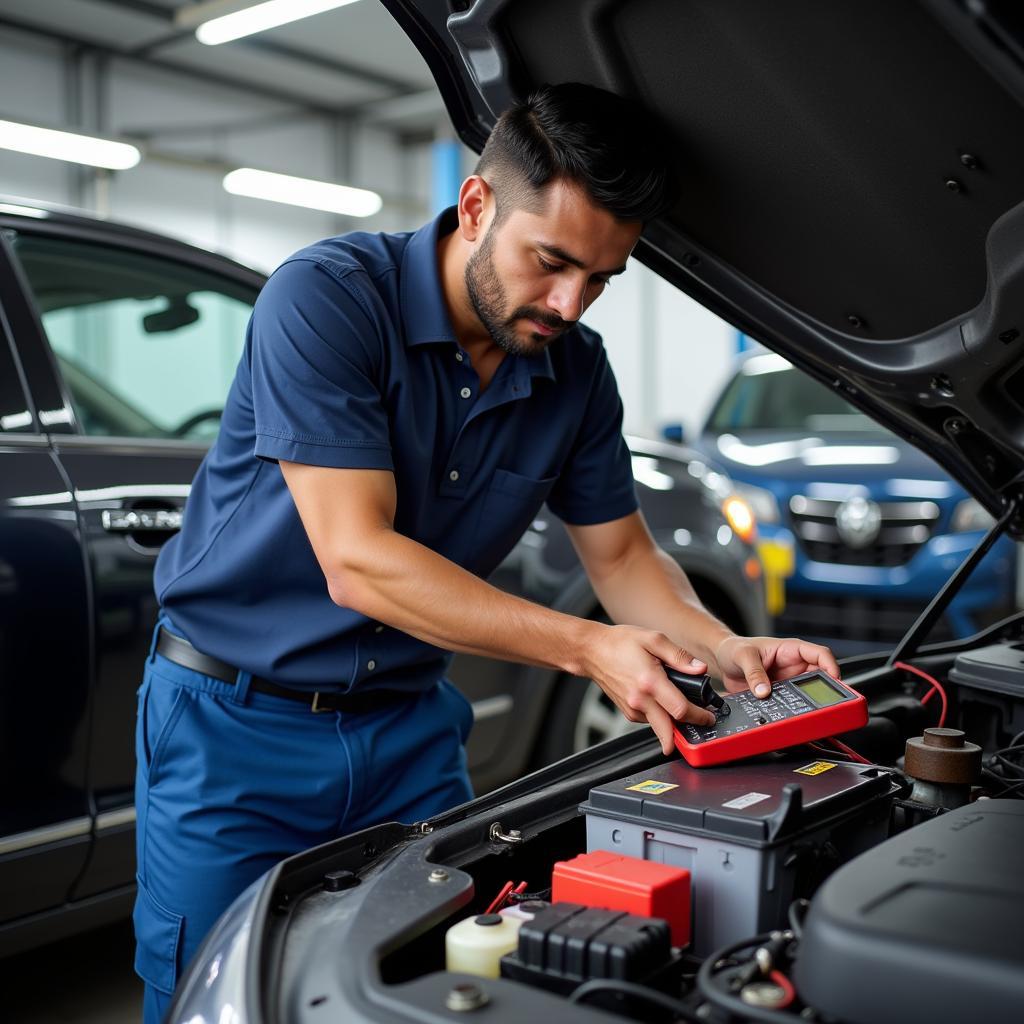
(181, 652)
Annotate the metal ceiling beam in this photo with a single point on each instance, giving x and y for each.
(212, 77)
(339, 67)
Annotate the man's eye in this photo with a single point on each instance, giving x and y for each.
(549, 267)
(603, 282)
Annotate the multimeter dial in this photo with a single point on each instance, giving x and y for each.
(799, 710)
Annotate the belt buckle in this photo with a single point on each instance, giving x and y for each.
(315, 706)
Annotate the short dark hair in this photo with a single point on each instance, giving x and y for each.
(609, 146)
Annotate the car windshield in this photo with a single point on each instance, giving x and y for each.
(768, 393)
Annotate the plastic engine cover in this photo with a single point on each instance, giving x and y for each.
(929, 925)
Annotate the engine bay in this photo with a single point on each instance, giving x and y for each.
(867, 878)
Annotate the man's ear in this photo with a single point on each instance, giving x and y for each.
(476, 207)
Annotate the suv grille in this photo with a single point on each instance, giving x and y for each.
(903, 526)
(873, 620)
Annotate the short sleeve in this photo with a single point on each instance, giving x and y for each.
(596, 482)
(315, 357)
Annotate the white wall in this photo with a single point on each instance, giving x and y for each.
(670, 355)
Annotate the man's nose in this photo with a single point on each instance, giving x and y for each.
(566, 299)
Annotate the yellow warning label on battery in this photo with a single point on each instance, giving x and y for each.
(815, 768)
(651, 786)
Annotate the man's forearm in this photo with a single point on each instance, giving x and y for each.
(406, 585)
(649, 589)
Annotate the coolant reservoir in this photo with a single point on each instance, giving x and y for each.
(477, 944)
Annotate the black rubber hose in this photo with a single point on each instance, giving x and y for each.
(628, 988)
(713, 994)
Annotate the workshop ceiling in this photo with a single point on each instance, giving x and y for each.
(353, 60)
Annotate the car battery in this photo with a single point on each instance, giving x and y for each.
(753, 836)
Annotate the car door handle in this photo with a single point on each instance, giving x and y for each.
(140, 520)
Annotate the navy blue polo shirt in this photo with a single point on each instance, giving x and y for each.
(350, 361)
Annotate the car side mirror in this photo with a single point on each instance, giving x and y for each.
(673, 432)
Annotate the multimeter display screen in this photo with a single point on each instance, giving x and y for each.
(820, 692)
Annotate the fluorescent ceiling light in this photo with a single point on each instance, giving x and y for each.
(77, 149)
(314, 195)
(261, 17)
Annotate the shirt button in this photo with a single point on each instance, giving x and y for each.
(459, 356)
(371, 665)
(378, 629)
(466, 392)
(453, 475)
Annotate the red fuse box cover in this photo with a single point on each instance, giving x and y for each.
(612, 881)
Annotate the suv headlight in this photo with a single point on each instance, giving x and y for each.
(970, 515)
(740, 516)
(761, 501)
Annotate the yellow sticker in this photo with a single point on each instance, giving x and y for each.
(650, 786)
(815, 768)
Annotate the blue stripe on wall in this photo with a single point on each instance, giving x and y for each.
(446, 174)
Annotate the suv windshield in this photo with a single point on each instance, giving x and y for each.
(769, 393)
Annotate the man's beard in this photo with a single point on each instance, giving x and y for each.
(487, 296)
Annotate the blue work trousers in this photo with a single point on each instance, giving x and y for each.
(230, 781)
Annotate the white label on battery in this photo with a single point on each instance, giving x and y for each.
(747, 800)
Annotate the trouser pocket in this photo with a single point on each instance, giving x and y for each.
(158, 933)
(160, 706)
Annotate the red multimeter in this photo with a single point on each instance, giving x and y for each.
(800, 710)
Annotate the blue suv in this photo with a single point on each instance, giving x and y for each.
(875, 526)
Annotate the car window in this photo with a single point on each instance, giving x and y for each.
(770, 394)
(147, 346)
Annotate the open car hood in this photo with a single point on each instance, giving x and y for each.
(851, 183)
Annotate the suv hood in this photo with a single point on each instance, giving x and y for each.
(851, 183)
(857, 458)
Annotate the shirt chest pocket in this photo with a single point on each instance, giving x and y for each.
(509, 506)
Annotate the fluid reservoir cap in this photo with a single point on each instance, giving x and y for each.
(943, 755)
(948, 738)
(489, 920)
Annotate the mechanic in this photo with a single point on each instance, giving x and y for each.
(403, 406)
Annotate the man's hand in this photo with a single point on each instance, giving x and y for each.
(758, 661)
(628, 664)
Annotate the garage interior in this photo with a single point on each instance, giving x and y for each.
(793, 512)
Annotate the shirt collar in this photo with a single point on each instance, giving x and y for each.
(424, 313)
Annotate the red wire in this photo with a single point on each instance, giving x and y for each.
(824, 750)
(500, 898)
(849, 751)
(785, 984)
(936, 688)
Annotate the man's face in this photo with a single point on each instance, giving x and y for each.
(534, 274)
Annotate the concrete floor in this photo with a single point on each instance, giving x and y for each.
(87, 979)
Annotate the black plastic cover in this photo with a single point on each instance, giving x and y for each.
(998, 668)
(567, 944)
(927, 926)
(755, 803)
